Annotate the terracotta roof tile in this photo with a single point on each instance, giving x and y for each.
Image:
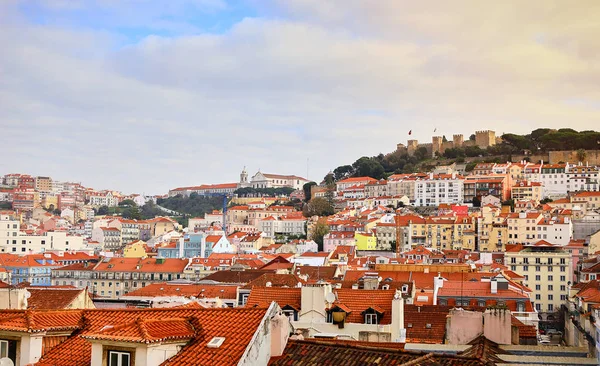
(49, 298)
(263, 296)
(236, 325)
(145, 331)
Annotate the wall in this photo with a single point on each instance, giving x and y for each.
(15, 301)
(497, 326)
(259, 349)
(592, 157)
(463, 326)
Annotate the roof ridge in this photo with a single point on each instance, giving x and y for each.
(141, 323)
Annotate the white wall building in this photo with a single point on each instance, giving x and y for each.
(435, 190)
(264, 180)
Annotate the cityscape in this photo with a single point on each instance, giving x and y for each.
(277, 183)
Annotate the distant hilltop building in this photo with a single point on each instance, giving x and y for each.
(258, 180)
(483, 139)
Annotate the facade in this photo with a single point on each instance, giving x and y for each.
(113, 277)
(264, 180)
(109, 238)
(436, 190)
(527, 191)
(547, 270)
(43, 184)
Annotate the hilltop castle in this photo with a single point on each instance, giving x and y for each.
(483, 139)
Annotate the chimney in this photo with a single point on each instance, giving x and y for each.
(438, 282)
(493, 286)
(398, 330)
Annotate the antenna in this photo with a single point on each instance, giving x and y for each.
(307, 160)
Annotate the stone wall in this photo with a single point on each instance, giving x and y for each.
(592, 157)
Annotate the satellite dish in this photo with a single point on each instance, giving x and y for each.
(330, 297)
(27, 296)
(5, 361)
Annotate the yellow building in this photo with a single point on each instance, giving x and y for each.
(492, 230)
(365, 241)
(522, 227)
(547, 269)
(136, 249)
(527, 191)
(50, 202)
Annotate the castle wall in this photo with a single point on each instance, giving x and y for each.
(592, 157)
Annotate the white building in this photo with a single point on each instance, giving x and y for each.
(264, 180)
(287, 225)
(438, 189)
(555, 180)
(103, 199)
(556, 230)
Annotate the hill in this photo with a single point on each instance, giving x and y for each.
(539, 141)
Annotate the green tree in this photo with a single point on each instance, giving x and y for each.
(127, 203)
(307, 188)
(319, 231)
(421, 153)
(581, 155)
(103, 210)
(343, 172)
(368, 167)
(472, 137)
(56, 212)
(318, 206)
(132, 213)
(476, 202)
(470, 166)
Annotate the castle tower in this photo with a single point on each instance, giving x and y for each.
(458, 140)
(244, 176)
(436, 144)
(411, 146)
(485, 139)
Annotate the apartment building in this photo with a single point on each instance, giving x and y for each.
(527, 191)
(113, 277)
(547, 269)
(109, 238)
(439, 189)
(376, 189)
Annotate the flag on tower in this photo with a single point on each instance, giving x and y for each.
(410, 132)
(435, 129)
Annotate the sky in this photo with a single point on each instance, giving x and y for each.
(144, 95)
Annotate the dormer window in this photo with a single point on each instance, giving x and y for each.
(370, 318)
(119, 358)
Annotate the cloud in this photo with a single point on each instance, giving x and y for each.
(301, 80)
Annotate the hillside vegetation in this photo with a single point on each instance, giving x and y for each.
(538, 141)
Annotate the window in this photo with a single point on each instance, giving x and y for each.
(3, 349)
(550, 288)
(537, 277)
(116, 358)
(537, 268)
(550, 297)
(538, 287)
(525, 268)
(563, 288)
(538, 296)
(550, 278)
(562, 279)
(370, 318)
(562, 268)
(550, 307)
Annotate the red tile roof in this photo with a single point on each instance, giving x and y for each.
(237, 326)
(52, 298)
(199, 291)
(263, 296)
(145, 331)
(357, 301)
(319, 352)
